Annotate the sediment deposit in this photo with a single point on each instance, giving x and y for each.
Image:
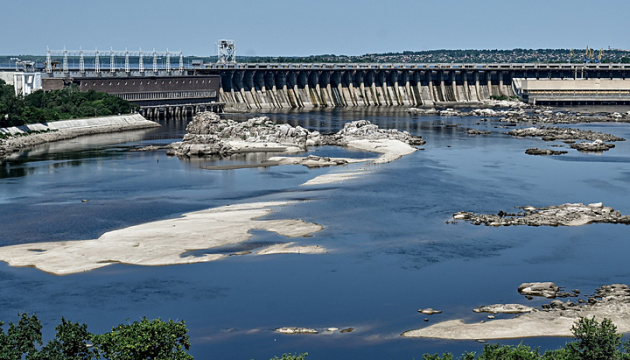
(553, 319)
(163, 242)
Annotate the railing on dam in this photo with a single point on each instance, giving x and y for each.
(407, 66)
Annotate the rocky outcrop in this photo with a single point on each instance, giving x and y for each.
(565, 117)
(595, 146)
(537, 151)
(559, 215)
(295, 330)
(550, 133)
(477, 132)
(364, 130)
(503, 309)
(429, 311)
(544, 289)
(486, 112)
(208, 134)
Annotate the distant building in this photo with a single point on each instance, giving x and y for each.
(24, 82)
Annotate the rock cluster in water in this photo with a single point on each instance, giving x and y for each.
(304, 330)
(477, 132)
(595, 146)
(486, 112)
(559, 215)
(364, 130)
(429, 311)
(537, 151)
(568, 135)
(564, 117)
(208, 134)
(503, 309)
(519, 112)
(550, 133)
(545, 289)
(605, 297)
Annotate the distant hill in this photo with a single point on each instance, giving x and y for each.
(428, 56)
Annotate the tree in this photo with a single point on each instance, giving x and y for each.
(594, 340)
(21, 339)
(70, 343)
(145, 340)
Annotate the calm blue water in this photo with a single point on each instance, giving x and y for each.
(391, 251)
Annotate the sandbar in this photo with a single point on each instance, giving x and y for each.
(390, 149)
(556, 319)
(162, 242)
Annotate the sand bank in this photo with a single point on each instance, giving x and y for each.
(162, 242)
(555, 319)
(389, 148)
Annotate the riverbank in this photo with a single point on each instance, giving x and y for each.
(26, 136)
(554, 319)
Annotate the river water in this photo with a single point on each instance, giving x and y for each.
(390, 249)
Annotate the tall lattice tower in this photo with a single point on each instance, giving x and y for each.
(226, 51)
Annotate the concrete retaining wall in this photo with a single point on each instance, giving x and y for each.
(68, 129)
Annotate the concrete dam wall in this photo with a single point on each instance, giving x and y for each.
(280, 88)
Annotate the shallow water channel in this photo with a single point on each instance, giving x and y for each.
(390, 248)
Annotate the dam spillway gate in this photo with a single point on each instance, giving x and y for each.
(266, 86)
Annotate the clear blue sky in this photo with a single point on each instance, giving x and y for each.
(311, 27)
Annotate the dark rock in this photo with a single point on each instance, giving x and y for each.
(537, 151)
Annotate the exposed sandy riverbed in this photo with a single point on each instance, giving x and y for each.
(555, 319)
(163, 242)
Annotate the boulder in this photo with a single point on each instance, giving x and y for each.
(544, 289)
(504, 309)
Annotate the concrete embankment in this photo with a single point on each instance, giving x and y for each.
(26, 136)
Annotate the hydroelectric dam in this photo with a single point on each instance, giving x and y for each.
(265, 86)
(165, 88)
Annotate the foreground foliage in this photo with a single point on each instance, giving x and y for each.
(140, 340)
(592, 341)
(69, 103)
(159, 340)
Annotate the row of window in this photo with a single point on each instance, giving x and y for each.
(147, 82)
(169, 95)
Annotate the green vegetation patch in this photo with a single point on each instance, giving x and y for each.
(69, 103)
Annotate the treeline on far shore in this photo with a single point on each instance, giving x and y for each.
(69, 103)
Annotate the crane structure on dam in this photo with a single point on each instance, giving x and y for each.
(114, 65)
(226, 52)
